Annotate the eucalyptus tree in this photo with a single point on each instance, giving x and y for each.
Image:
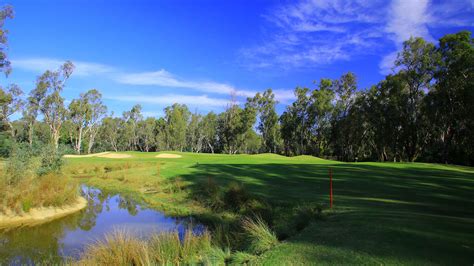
(268, 120)
(177, 117)
(417, 62)
(130, 132)
(344, 89)
(208, 124)
(296, 125)
(195, 133)
(160, 136)
(451, 101)
(147, 133)
(30, 113)
(234, 123)
(110, 130)
(6, 12)
(96, 111)
(50, 102)
(78, 118)
(320, 113)
(86, 113)
(10, 103)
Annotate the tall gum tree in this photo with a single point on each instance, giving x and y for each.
(51, 104)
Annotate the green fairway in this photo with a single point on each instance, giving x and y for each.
(384, 213)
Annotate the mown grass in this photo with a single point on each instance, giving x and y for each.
(385, 213)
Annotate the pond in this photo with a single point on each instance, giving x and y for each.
(67, 237)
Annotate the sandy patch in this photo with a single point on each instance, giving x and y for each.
(100, 155)
(86, 155)
(41, 215)
(115, 155)
(168, 156)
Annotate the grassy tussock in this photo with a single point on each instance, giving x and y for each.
(122, 248)
(118, 248)
(260, 237)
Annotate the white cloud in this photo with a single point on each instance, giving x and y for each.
(160, 78)
(40, 65)
(415, 18)
(409, 19)
(152, 114)
(169, 99)
(284, 96)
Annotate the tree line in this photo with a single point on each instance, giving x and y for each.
(423, 111)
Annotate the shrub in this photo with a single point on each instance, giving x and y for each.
(51, 160)
(174, 185)
(243, 258)
(305, 215)
(108, 168)
(20, 166)
(260, 237)
(236, 196)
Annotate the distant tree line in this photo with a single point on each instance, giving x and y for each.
(424, 111)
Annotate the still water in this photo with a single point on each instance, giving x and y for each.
(68, 236)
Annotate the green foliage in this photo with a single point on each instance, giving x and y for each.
(20, 166)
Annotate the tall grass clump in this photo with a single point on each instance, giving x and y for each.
(117, 248)
(169, 248)
(260, 237)
(123, 248)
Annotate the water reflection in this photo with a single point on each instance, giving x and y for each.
(67, 237)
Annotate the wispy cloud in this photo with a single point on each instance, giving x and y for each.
(169, 99)
(40, 65)
(310, 33)
(315, 32)
(164, 78)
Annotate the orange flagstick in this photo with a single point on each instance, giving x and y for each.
(330, 188)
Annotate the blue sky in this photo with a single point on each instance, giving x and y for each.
(156, 53)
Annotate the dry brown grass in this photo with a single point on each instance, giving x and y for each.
(43, 191)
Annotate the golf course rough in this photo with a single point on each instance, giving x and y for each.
(384, 213)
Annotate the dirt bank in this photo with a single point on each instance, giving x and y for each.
(41, 215)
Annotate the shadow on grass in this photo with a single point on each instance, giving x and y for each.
(389, 213)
